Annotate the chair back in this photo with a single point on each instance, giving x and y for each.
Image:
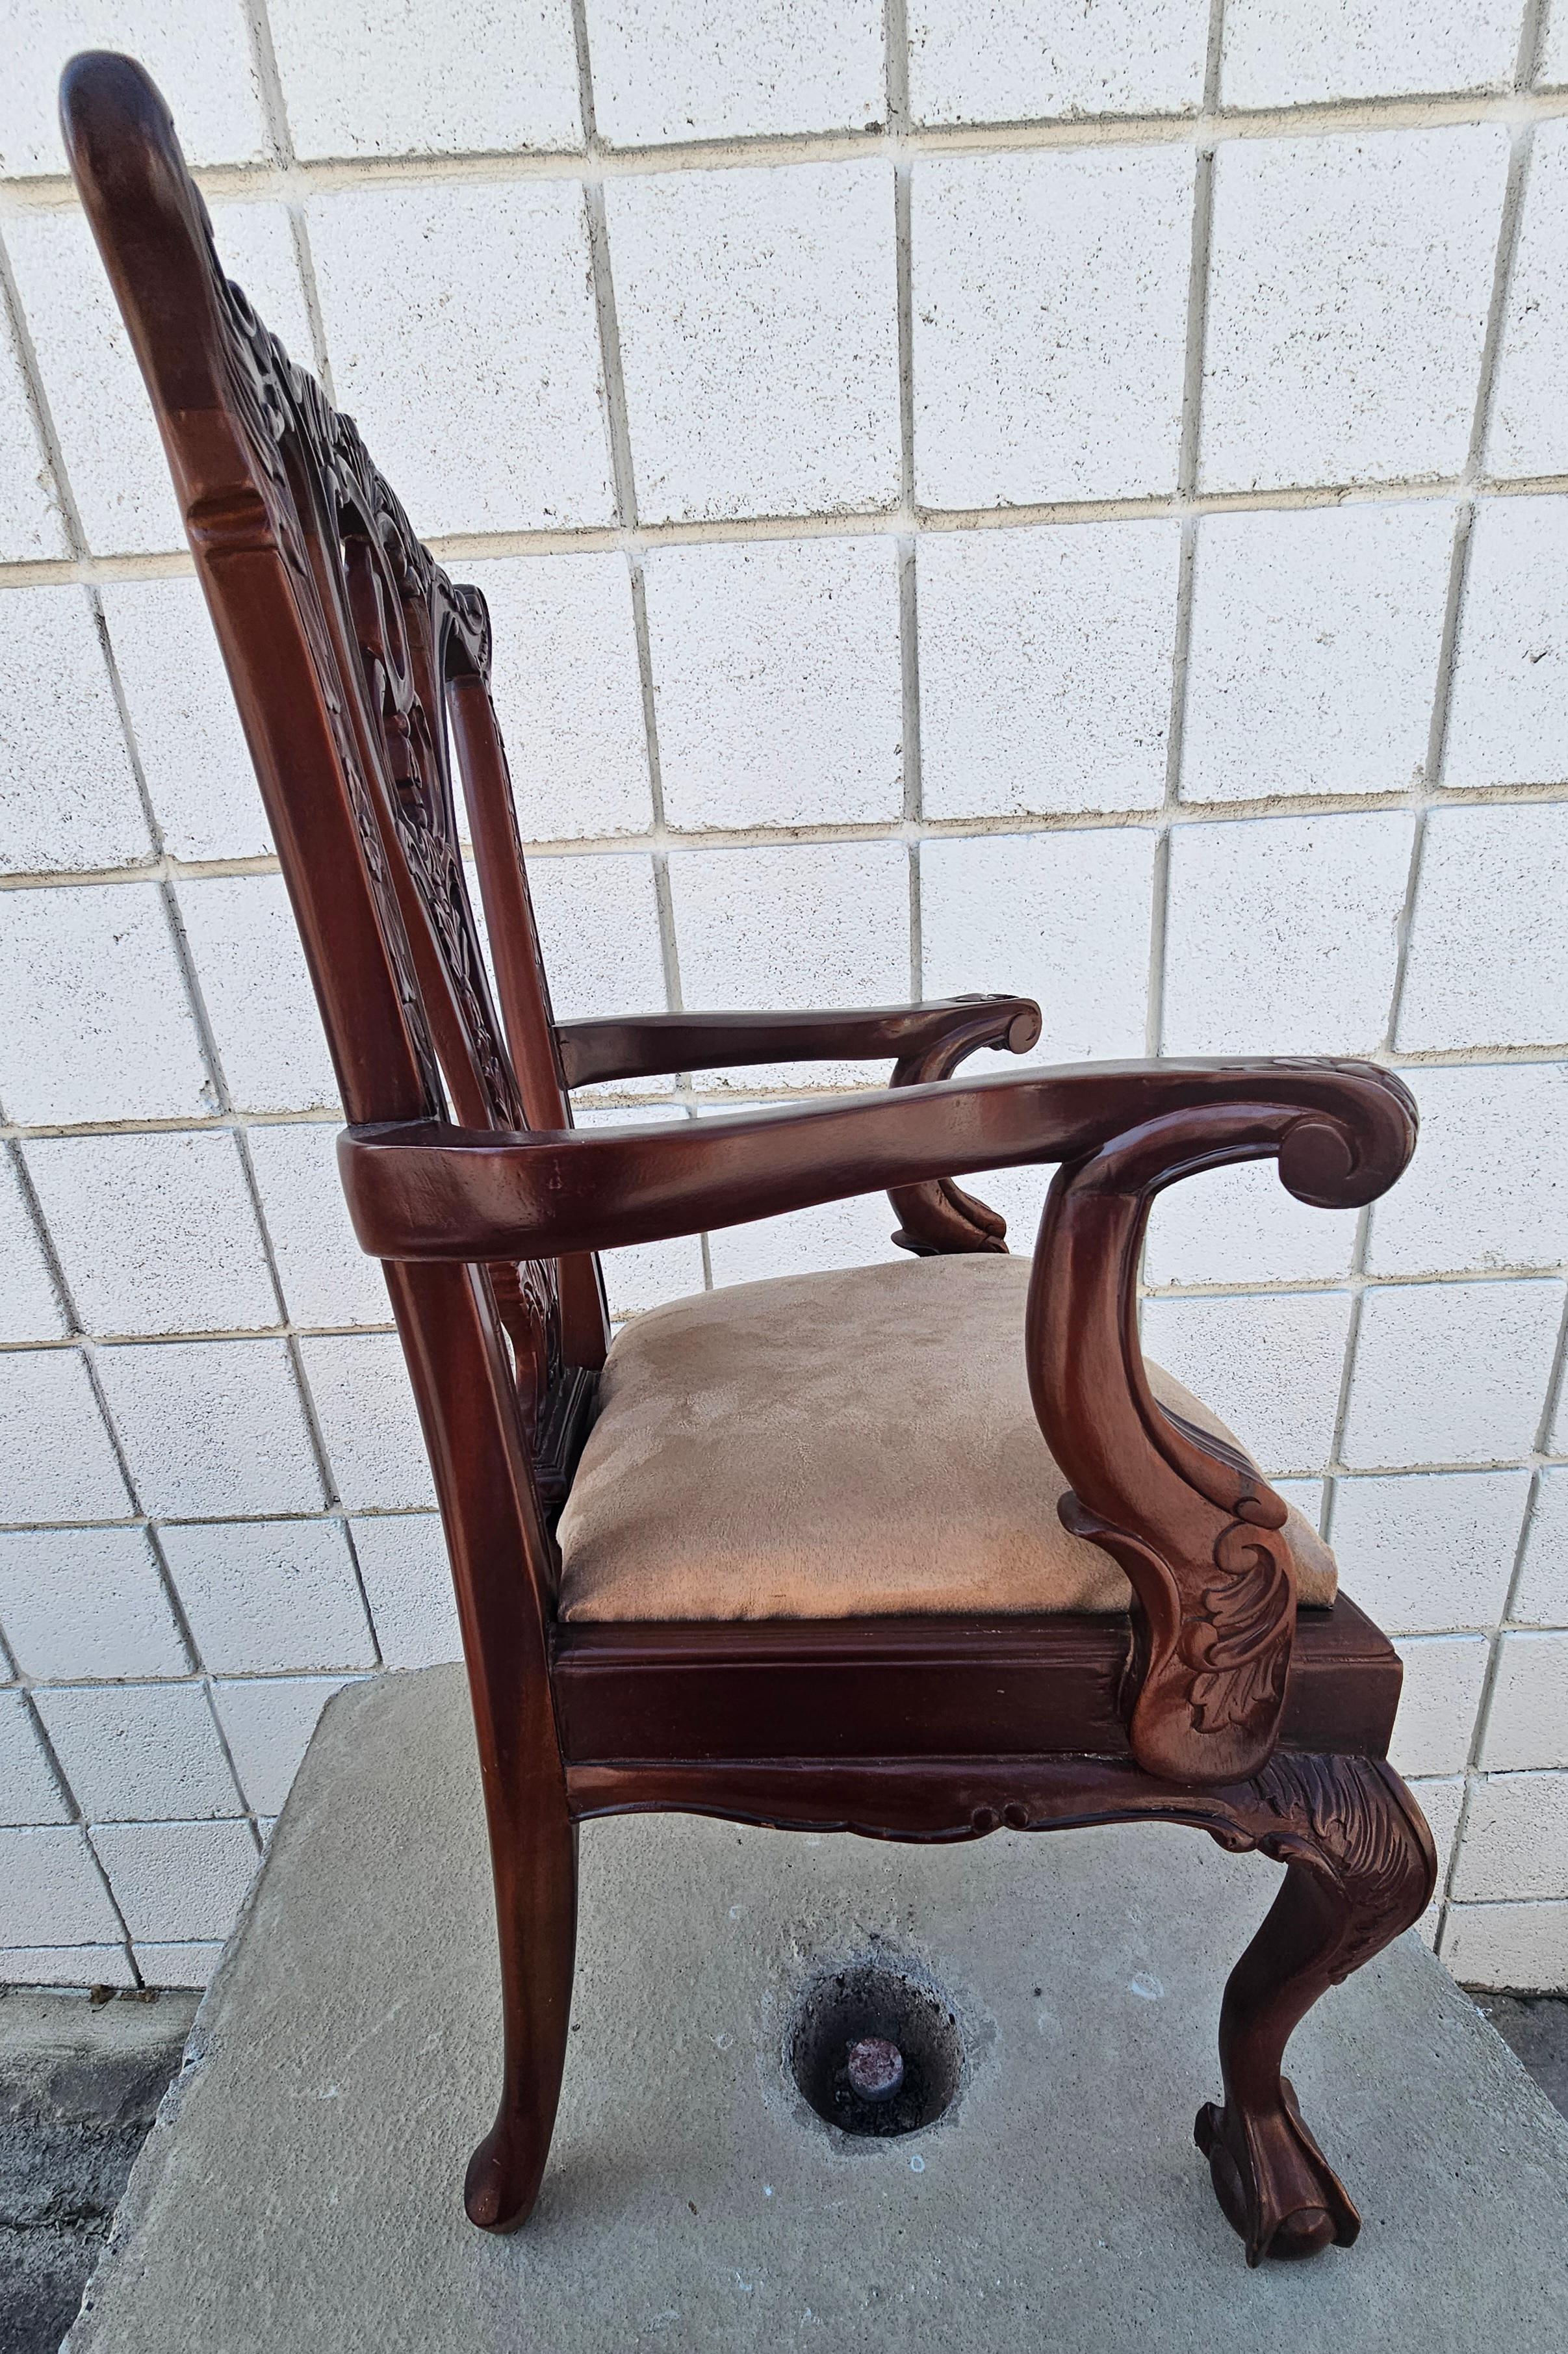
(361, 672)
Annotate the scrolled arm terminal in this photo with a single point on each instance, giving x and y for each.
(1194, 1526)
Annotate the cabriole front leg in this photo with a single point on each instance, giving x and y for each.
(1360, 1868)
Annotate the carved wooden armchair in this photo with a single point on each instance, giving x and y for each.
(915, 1551)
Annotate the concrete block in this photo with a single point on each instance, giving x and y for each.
(255, 248)
(268, 1721)
(175, 1882)
(67, 1966)
(87, 1605)
(118, 476)
(30, 1307)
(102, 1026)
(598, 929)
(1451, 1373)
(1268, 1363)
(1083, 254)
(1314, 651)
(327, 1278)
(409, 1586)
(1524, 435)
(486, 297)
(31, 522)
(759, 338)
(191, 1964)
(252, 972)
(1507, 720)
(799, 925)
(366, 1972)
(567, 694)
(1004, 61)
(211, 1428)
(666, 70)
(68, 791)
(1282, 934)
(56, 1459)
(28, 1790)
(264, 1598)
(154, 1233)
(1486, 1188)
(1440, 1802)
(1527, 1723)
(1552, 65)
(417, 78)
(1424, 1551)
(1311, 52)
(364, 1408)
(139, 1751)
(197, 51)
(644, 1274)
(852, 1232)
(1444, 1675)
(1516, 1839)
(1240, 1226)
(197, 771)
(1061, 917)
(777, 682)
(1349, 279)
(1045, 668)
(51, 1892)
(1522, 1948)
(1542, 1596)
(1483, 968)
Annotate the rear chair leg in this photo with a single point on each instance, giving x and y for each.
(536, 1914)
(1361, 1868)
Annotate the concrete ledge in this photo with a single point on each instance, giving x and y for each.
(302, 2187)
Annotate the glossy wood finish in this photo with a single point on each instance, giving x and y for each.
(361, 674)
(850, 1688)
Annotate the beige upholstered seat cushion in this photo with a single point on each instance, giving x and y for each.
(824, 1446)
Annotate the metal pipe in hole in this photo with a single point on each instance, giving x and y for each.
(875, 2068)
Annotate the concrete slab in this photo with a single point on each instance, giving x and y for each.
(301, 2189)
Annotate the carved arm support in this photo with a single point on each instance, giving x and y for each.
(927, 1042)
(1194, 1525)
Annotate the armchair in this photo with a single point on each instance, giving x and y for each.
(915, 1552)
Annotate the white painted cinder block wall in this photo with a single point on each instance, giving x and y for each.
(998, 498)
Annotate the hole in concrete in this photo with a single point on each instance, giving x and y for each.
(836, 2046)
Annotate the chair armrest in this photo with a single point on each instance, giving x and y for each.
(1193, 1523)
(422, 1189)
(645, 1046)
(927, 1042)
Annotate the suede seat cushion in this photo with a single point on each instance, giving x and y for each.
(833, 1445)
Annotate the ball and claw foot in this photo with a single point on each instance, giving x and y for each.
(1274, 2184)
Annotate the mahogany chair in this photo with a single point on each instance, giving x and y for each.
(818, 1562)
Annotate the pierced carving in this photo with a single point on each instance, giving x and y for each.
(270, 468)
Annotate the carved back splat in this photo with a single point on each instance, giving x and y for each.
(356, 663)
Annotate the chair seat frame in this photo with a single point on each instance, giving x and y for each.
(361, 675)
